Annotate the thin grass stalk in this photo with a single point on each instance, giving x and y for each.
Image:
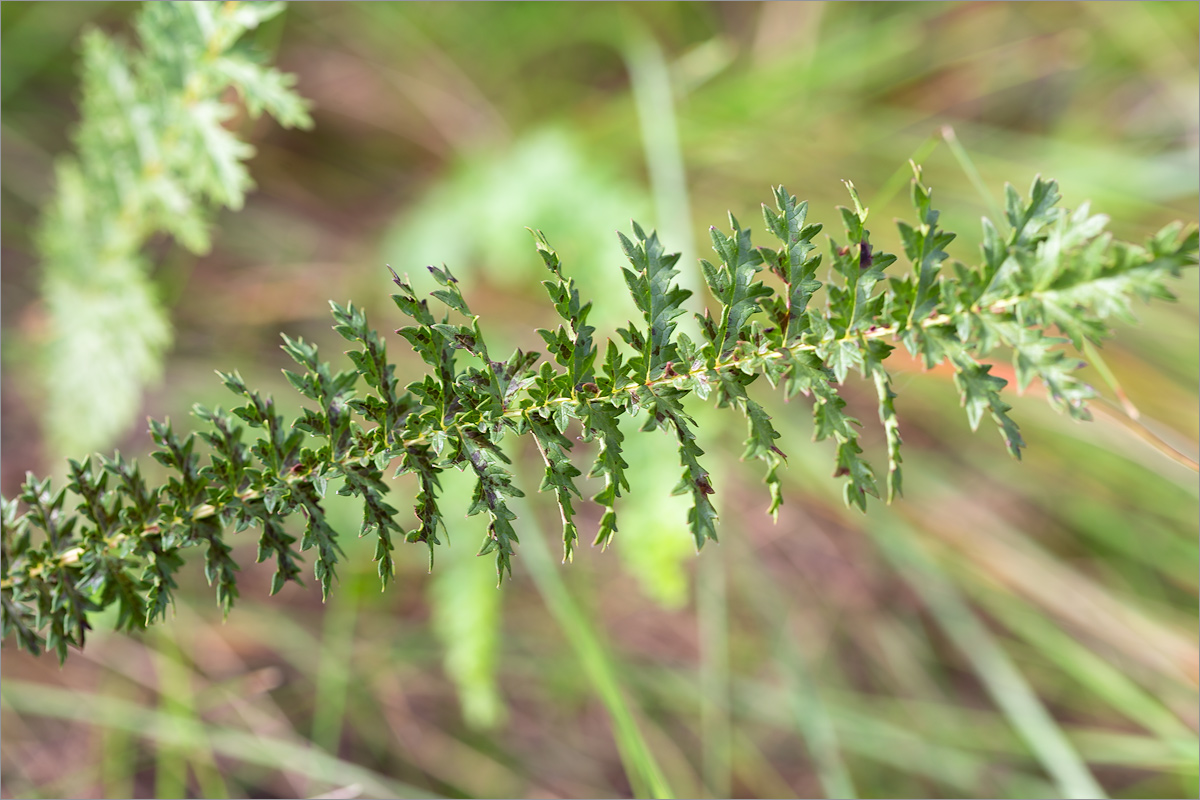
(712, 607)
(333, 673)
(156, 726)
(1085, 667)
(808, 709)
(645, 775)
(1001, 679)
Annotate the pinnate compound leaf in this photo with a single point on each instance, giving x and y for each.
(795, 263)
(560, 472)
(732, 283)
(600, 423)
(651, 282)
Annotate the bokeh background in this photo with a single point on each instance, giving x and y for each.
(1004, 630)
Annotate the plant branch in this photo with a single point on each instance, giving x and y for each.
(1054, 270)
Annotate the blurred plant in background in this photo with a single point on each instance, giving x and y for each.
(154, 156)
(967, 641)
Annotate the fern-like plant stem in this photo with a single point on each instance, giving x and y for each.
(1052, 270)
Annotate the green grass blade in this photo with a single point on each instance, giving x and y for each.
(643, 770)
(715, 729)
(650, 80)
(995, 670)
(811, 716)
(903, 174)
(972, 172)
(1096, 360)
(1084, 666)
(111, 712)
(334, 670)
(177, 699)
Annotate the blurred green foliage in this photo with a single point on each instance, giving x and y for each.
(153, 156)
